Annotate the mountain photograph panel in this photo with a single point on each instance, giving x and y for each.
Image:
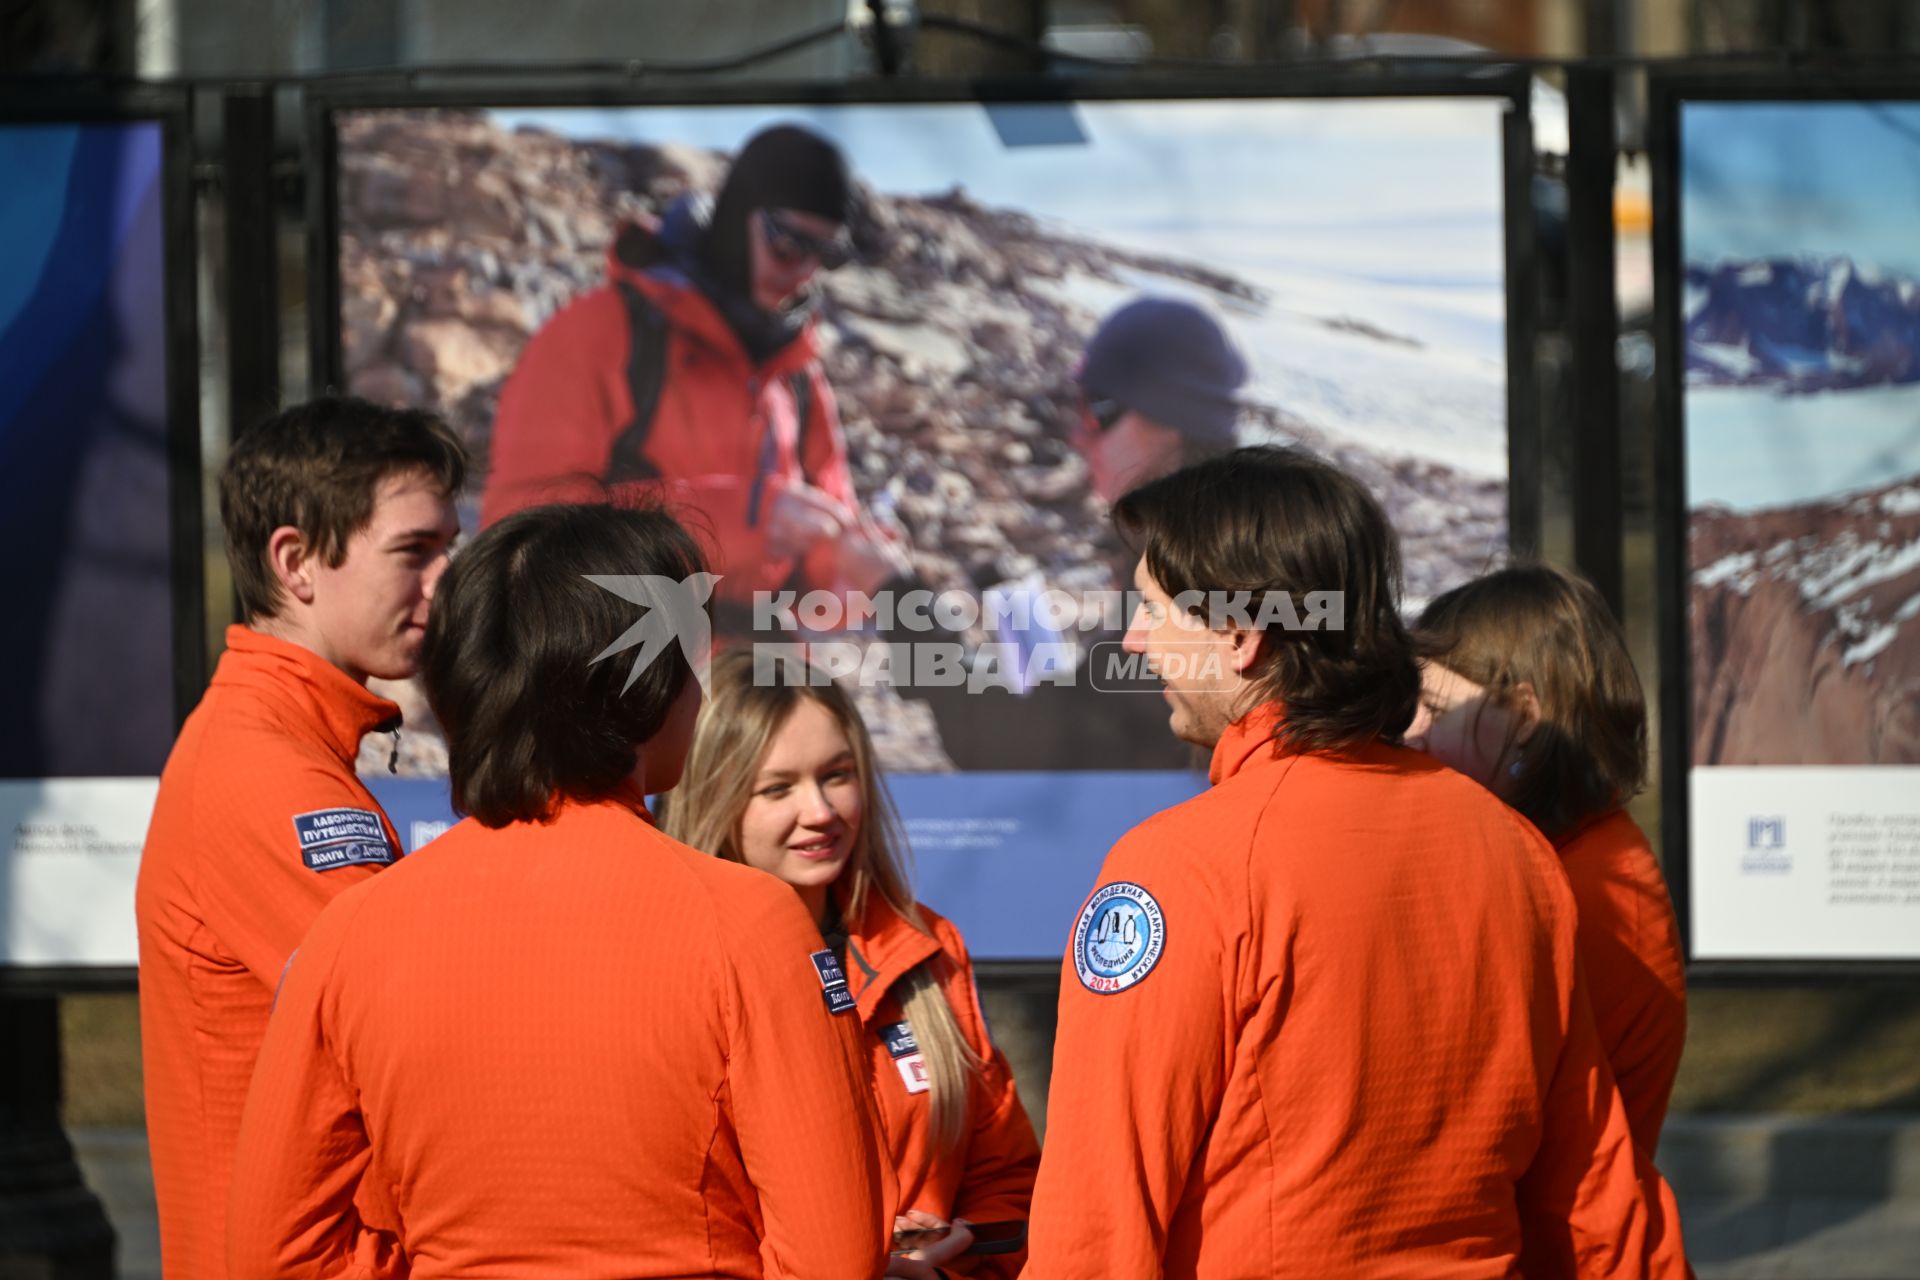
(1801, 315)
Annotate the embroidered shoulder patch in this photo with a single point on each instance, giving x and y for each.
(331, 838)
(833, 982)
(1119, 938)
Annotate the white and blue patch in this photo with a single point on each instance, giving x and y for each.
(331, 838)
(1120, 937)
(906, 1055)
(833, 981)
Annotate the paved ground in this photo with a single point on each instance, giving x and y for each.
(1762, 1198)
(1773, 1197)
(115, 1164)
(1802, 1239)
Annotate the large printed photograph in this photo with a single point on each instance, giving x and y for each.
(1801, 317)
(884, 347)
(86, 635)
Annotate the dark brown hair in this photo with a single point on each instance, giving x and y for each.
(1273, 519)
(510, 654)
(1537, 625)
(317, 467)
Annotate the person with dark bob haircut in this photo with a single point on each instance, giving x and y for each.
(530, 722)
(1529, 690)
(554, 1041)
(1327, 1015)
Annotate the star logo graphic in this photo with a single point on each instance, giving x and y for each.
(676, 613)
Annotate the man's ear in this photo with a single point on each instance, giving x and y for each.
(292, 562)
(1248, 644)
(1524, 705)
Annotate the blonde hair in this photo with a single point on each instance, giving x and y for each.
(737, 723)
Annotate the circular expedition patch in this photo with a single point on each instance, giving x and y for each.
(1119, 938)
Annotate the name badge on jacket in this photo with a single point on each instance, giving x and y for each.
(833, 982)
(907, 1058)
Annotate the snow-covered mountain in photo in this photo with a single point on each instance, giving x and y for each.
(1801, 324)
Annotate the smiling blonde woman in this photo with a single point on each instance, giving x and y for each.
(781, 777)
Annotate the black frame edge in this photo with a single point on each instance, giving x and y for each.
(323, 234)
(183, 413)
(27, 99)
(1525, 448)
(1593, 333)
(1669, 510)
(1667, 91)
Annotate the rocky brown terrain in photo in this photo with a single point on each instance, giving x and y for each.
(1805, 629)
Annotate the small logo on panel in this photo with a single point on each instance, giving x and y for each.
(1766, 850)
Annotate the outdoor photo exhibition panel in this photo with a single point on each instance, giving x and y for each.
(1790, 317)
(99, 500)
(1352, 244)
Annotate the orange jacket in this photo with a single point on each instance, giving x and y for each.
(566, 1049)
(1630, 945)
(259, 823)
(1338, 1030)
(990, 1178)
(724, 436)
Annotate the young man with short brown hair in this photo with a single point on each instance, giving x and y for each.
(338, 517)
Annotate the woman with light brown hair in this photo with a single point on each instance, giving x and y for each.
(1527, 687)
(782, 778)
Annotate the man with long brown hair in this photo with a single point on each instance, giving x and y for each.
(1325, 1018)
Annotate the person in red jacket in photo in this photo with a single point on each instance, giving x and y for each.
(782, 778)
(694, 373)
(1529, 690)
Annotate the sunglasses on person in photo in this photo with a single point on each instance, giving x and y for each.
(793, 246)
(1105, 412)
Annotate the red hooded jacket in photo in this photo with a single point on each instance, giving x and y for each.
(725, 432)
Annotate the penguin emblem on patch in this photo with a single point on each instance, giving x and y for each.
(1120, 936)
